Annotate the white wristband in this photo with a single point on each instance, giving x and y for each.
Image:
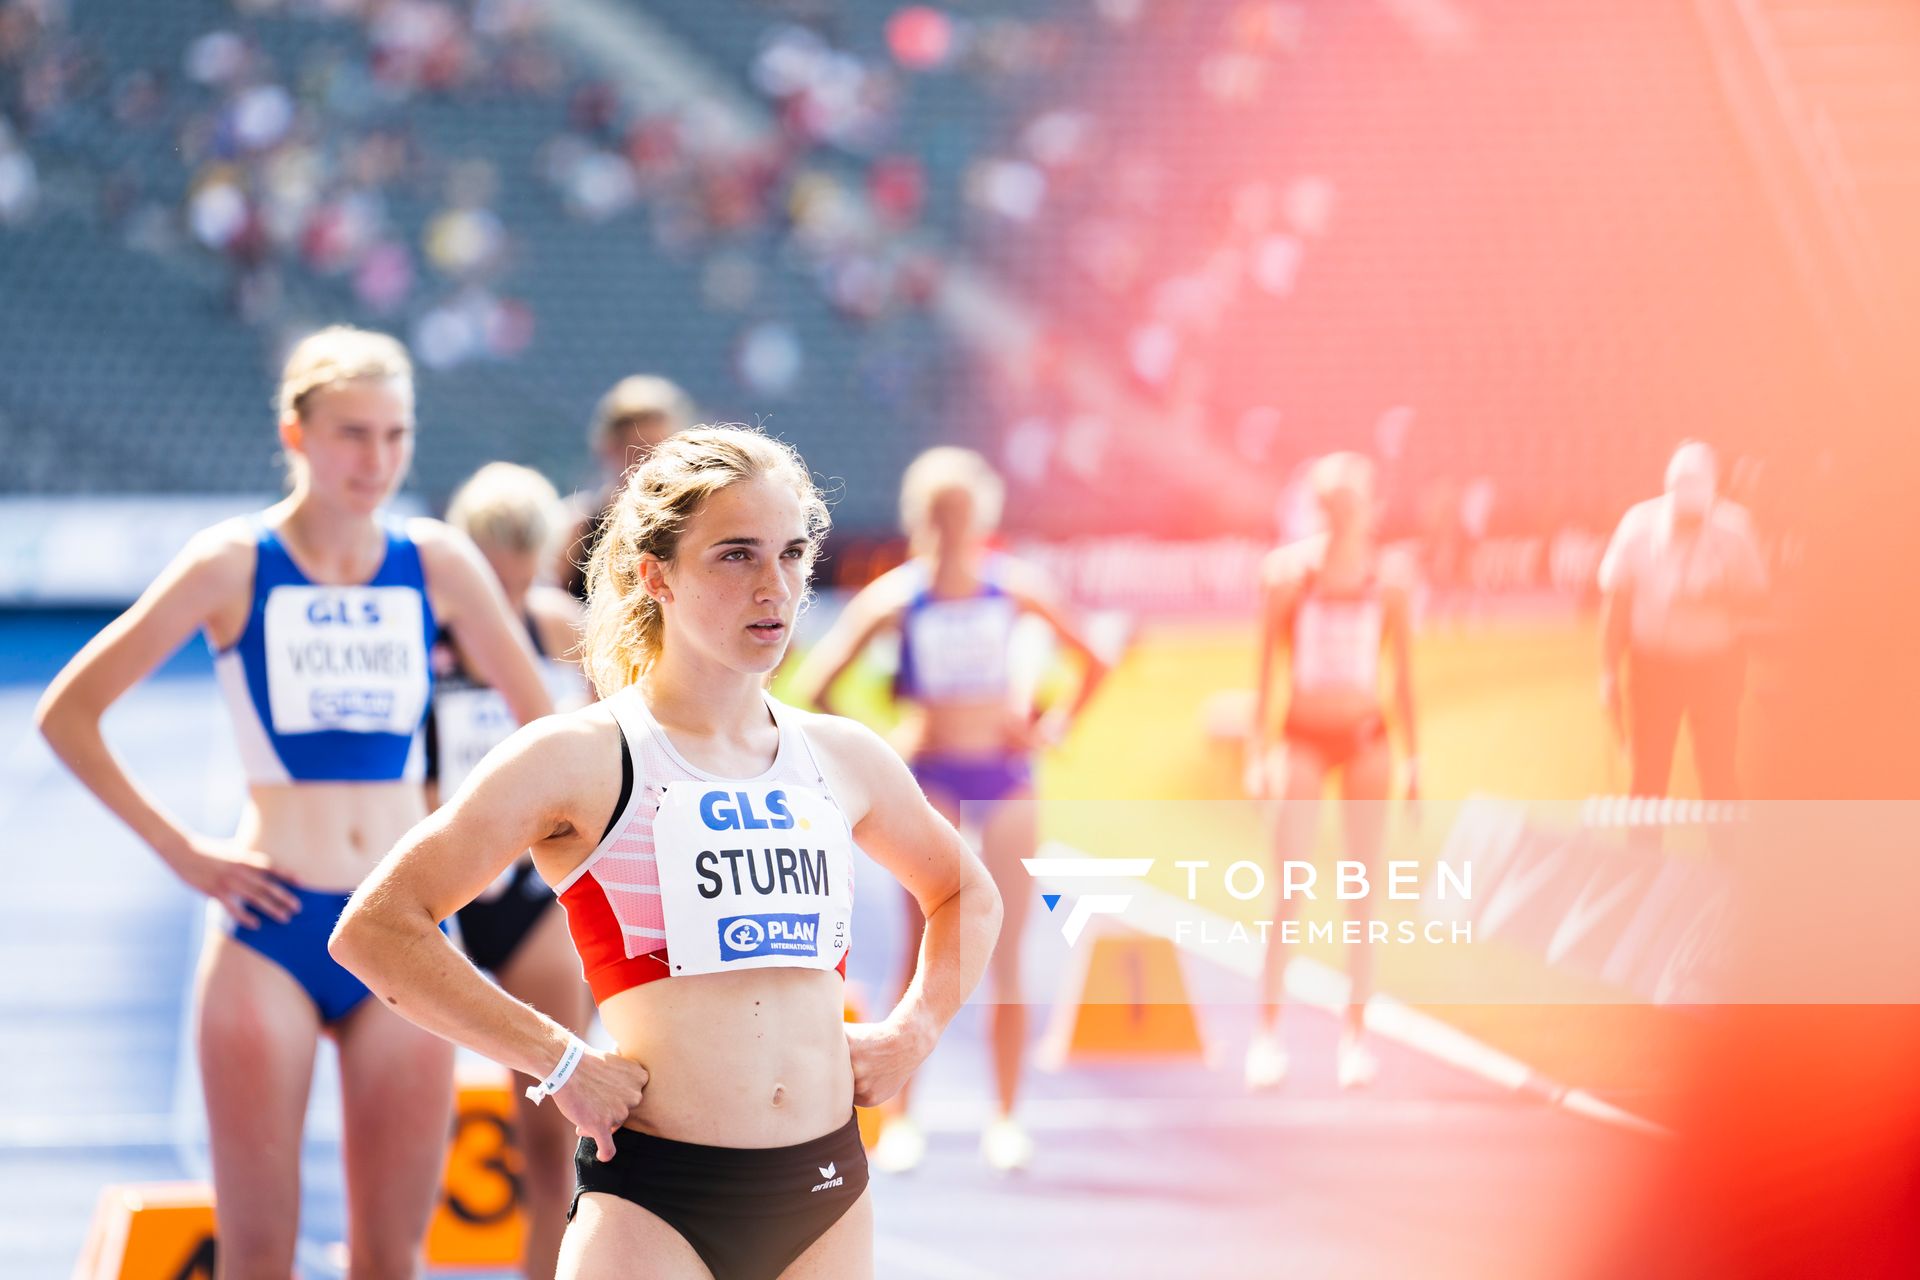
(576, 1050)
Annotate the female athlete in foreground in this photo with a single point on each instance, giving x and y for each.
(700, 835)
(321, 612)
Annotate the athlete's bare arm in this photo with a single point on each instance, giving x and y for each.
(1616, 613)
(467, 598)
(1035, 594)
(205, 586)
(551, 787)
(897, 828)
(1280, 575)
(873, 608)
(1396, 590)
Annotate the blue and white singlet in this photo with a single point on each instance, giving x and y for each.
(957, 648)
(330, 683)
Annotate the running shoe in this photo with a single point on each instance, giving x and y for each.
(1266, 1061)
(1357, 1066)
(1005, 1146)
(901, 1147)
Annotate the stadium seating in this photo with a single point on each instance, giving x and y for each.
(1558, 267)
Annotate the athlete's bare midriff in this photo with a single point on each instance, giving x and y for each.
(1332, 708)
(751, 1059)
(329, 835)
(971, 727)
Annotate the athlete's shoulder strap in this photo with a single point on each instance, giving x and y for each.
(630, 712)
(273, 564)
(918, 587)
(402, 566)
(626, 780)
(792, 728)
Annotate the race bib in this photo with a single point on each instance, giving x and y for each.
(469, 720)
(1337, 646)
(960, 646)
(753, 876)
(346, 658)
(467, 723)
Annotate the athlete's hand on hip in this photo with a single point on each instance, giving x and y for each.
(237, 878)
(885, 1055)
(599, 1096)
(1020, 732)
(1050, 730)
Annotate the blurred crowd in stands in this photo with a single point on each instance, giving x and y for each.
(878, 152)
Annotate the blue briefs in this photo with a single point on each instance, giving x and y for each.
(984, 780)
(300, 947)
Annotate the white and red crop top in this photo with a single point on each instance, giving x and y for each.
(1337, 636)
(740, 873)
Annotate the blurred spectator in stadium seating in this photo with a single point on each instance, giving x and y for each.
(42, 66)
(295, 168)
(1683, 578)
(635, 414)
(317, 171)
(19, 180)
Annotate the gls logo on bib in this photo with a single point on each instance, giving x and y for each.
(724, 812)
(742, 937)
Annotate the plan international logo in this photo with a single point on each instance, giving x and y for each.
(773, 934)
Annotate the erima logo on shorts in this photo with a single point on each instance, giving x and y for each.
(722, 811)
(743, 937)
(827, 1172)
